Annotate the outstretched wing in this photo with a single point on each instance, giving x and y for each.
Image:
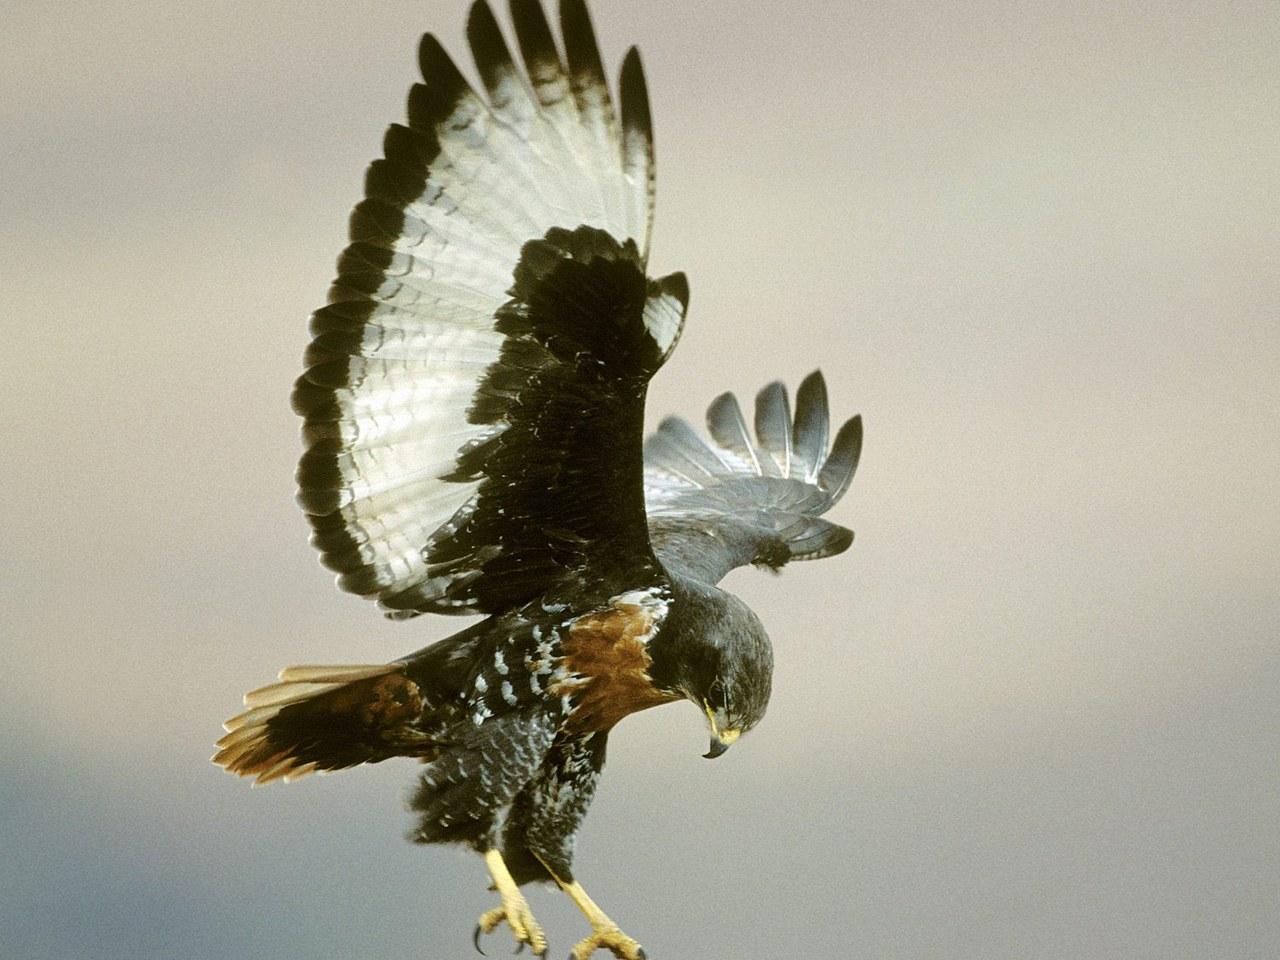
(734, 501)
(474, 389)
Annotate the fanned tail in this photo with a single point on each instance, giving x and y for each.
(323, 718)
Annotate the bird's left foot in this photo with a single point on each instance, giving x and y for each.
(609, 938)
(604, 932)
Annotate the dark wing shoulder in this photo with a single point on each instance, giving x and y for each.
(739, 500)
(474, 389)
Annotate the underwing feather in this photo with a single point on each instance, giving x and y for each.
(743, 500)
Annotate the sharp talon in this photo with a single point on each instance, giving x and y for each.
(475, 938)
(515, 913)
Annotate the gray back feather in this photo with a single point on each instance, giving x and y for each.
(737, 499)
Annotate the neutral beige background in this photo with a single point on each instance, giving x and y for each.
(1033, 713)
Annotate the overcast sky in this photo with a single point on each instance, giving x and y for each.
(1034, 712)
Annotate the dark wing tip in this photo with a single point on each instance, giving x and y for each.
(773, 425)
(771, 390)
(580, 47)
(433, 101)
(631, 65)
(771, 401)
(724, 409)
(841, 541)
(836, 542)
(812, 411)
(814, 384)
(838, 471)
(574, 11)
(676, 285)
(728, 428)
(827, 540)
(533, 34)
(488, 48)
(820, 539)
(812, 423)
(635, 95)
(437, 66)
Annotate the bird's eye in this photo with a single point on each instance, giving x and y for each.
(715, 695)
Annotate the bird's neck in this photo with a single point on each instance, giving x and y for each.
(686, 631)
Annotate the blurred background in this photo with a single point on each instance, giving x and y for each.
(1034, 712)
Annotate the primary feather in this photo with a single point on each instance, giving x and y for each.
(413, 341)
(739, 500)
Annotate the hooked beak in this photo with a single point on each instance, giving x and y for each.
(721, 740)
(720, 744)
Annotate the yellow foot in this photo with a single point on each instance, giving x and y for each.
(609, 938)
(514, 910)
(520, 919)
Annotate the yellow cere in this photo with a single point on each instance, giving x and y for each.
(728, 737)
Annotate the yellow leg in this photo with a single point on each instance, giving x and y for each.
(604, 932)
(514, 910)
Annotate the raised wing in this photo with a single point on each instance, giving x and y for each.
(474, 389)
(737, 500)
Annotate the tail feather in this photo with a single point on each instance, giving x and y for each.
(323, 718)
(305, 682)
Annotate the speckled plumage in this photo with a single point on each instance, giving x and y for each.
(473, 404)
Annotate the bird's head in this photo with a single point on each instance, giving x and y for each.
(720, 659)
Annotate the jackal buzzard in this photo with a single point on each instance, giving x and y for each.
(473, 404)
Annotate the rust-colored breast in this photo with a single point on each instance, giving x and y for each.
(607, 650)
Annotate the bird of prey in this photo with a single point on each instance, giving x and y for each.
(473, 408)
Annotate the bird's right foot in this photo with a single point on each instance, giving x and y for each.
(520, 919)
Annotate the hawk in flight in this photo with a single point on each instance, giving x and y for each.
(473, 407)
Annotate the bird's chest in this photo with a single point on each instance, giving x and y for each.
(606, 664)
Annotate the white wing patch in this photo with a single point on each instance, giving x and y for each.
(401, 352)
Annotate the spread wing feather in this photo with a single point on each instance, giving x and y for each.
(739, 500)
(475, 383)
